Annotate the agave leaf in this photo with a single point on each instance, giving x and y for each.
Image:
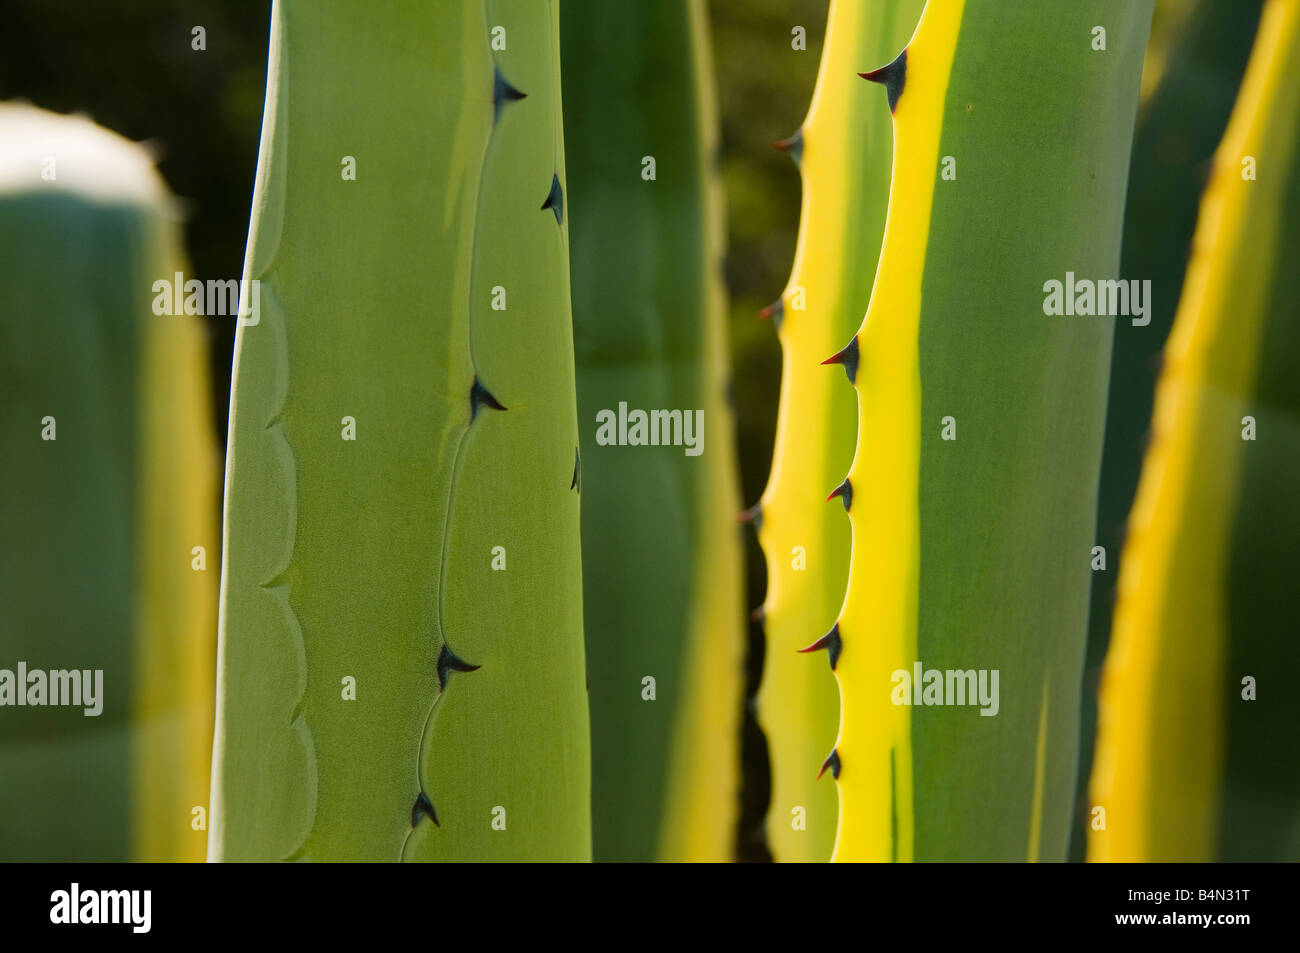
(372, 559)
(1196, 710)
(663, 566)
(100, 522)
(1202, 54)
(971, 554)
(844, 154)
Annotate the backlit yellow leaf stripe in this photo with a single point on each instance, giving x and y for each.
(878, 621)
(1162, 709)
(843, 151)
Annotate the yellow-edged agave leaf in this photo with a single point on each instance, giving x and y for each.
(1197, 711)
(107, 506)
(401, 657)
(663, 562)
(1202, 55)
(973, 488)
(845, 156)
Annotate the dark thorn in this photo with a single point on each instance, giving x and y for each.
(502, 93)
(832, 643)
(752, 515)
(892, 76)
(555, 200)
(775, 311)
(758, 615)
(833, 762)
(792, 146)
(849, 358)
(480, 396)
(845, 492)
(449, 662)
(577, 471)
(423, 806)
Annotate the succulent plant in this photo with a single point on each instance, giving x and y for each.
(109, 505)
(1191, 73)
(973, 488)
(662, 553)
(845, 157)
(480, 588)
(401, 650)
(1196, 702)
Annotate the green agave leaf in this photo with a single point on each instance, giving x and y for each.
(663, 563)
(109, 482)
(973, 488)
(402, 496)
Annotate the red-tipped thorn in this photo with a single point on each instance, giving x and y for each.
(893, 77)
(831, 642)
(848, 356)
(845, 492)
(793, 147)
(832, 762)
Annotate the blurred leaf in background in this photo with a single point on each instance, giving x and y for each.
(764, 85)
(109, 514)
(1195, 754)
(131, 65)
(766, 54)
(1198, 50)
